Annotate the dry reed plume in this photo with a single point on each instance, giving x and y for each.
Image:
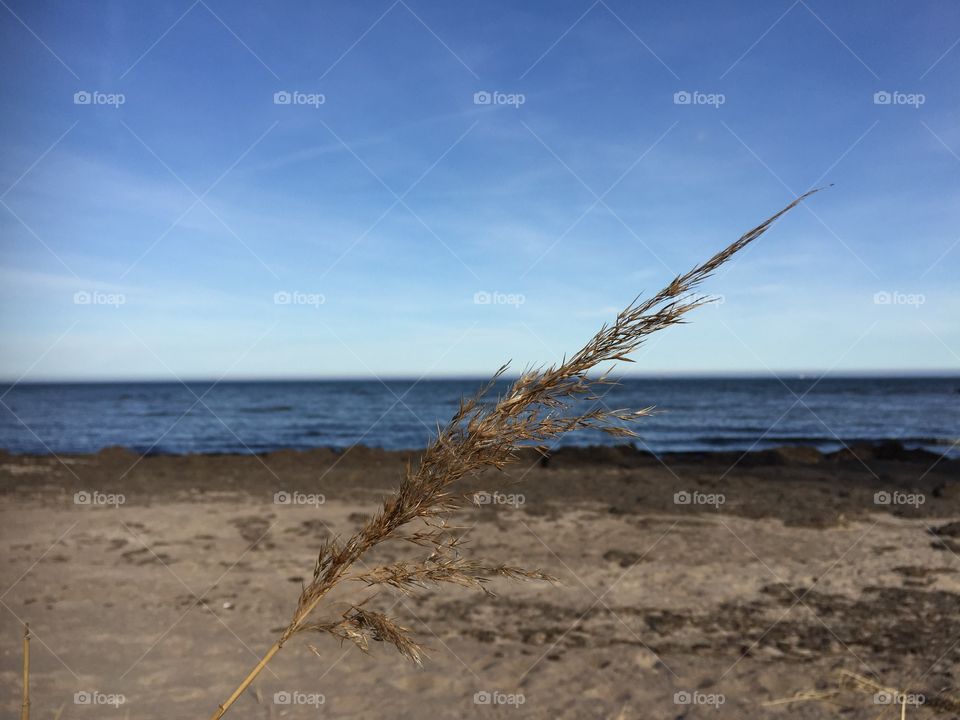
(537, 408)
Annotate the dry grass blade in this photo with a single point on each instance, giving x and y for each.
(25, 706)
(538, 407)
(901, 696)
(884, 695)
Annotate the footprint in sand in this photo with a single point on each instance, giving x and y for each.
(254, 529)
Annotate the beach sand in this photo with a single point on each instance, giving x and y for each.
(783, 568)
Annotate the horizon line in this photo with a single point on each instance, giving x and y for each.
(942, 373)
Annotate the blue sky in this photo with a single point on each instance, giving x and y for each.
(157, 230)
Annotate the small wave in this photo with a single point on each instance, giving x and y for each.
(815, 440)
(266, 410)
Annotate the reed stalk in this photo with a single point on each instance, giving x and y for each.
(25, 707)
(538, 407)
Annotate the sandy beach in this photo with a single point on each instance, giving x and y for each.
(691, 586)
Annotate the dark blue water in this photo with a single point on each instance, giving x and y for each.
(245, 417)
